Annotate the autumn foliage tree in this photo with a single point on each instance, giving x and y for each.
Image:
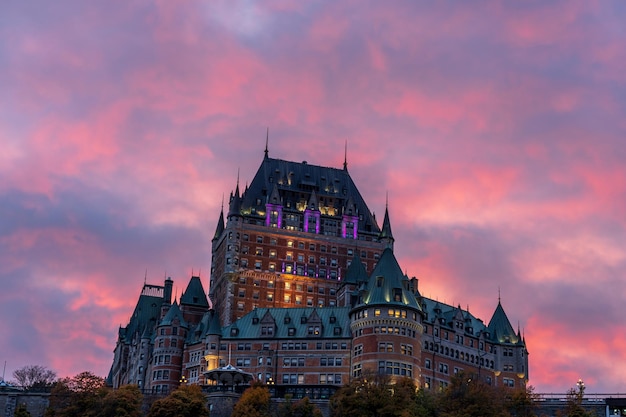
(254, 402)
(300, 408)
(185, 401)
(122, 402)
(78, 396)
(378, 396)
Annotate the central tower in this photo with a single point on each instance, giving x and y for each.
(288, 239)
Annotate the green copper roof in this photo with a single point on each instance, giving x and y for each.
(172, 314)
(387, 284)
(500, 327)
(194, 295)
(356, 272)
(146, 314)
(291, 323)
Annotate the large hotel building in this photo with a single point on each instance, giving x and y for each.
(305, 294)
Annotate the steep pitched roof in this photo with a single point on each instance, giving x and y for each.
(387, 285)
(220, 226)
(292, 180)
(194, 295)
(500, 327)
(146, 314)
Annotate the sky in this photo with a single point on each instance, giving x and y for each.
(497, 130)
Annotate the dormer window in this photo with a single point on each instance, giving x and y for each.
(287, 320)
(234, 331)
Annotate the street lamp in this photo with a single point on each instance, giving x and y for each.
(183, 380)
(581, 386)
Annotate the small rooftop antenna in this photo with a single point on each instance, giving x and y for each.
(267, 139)
(145, 277)
(345, 156)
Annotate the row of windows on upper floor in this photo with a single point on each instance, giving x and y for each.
(458, 325)
(294, 361)
(333, 231)
(296, 288)
(289, 285)
(287, 299)
(458, 338)
(302, 245)
(458, 354)
(390, 312)
(470, 342)
(288, 268)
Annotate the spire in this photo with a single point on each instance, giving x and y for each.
(345, 157)
(235, 201)
(267, 139)
(220, 222)
(500, 326)
(385, 232)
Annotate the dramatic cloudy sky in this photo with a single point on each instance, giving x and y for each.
(497, 128)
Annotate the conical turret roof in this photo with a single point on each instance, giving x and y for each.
(500, 327)
(356, 272)
(172, 314)
(387, 286)
(385, 232)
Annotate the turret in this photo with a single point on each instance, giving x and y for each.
(386, 322)
(385, 233)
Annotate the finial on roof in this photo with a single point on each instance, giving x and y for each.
(498, 295)
(267, 139)
(345, 156)
(145, 277)
(222, 202)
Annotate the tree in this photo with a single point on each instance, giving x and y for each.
(376, 396)
(468, 397)
(122, 402)
(79, 396)
(21, 411)
(521, 402)
(301, 408)
(574, 406)
(34, 377)
(186, 401)
(254, 402)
